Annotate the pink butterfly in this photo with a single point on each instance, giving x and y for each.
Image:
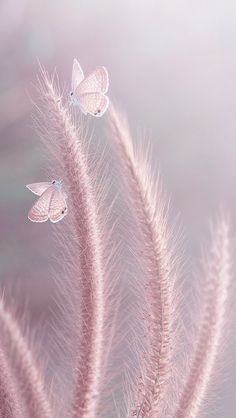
(89, 93)
(51, 204)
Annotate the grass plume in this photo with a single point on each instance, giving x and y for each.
(151, 213)
(66, 140)
(10, 406)
(218, 275)
(21, 362)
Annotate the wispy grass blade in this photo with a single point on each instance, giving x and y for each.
(21, 362)
(218, 275)
(66, 139)
(151, 213)
(10, 403)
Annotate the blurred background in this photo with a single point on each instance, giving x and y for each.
(172, 67)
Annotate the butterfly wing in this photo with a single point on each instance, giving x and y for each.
(95, 104)
(39, 188)
(77, 75)
(96, 82)
(58, 207)
(40, 210)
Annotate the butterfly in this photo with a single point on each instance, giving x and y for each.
(51, 203)
(89, 93)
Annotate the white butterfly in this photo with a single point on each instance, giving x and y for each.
(89, 93)
(51, 204)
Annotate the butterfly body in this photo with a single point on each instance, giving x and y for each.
(74, 100)
(51, 203)
(89, 93)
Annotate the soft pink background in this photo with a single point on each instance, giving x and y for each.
(172, 68)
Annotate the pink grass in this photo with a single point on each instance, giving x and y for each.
(84, 258)
(10, 406)
(211, 328)
(25, 372)
(151, 213)
(66, 141)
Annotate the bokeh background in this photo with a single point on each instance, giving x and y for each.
(172, 67)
